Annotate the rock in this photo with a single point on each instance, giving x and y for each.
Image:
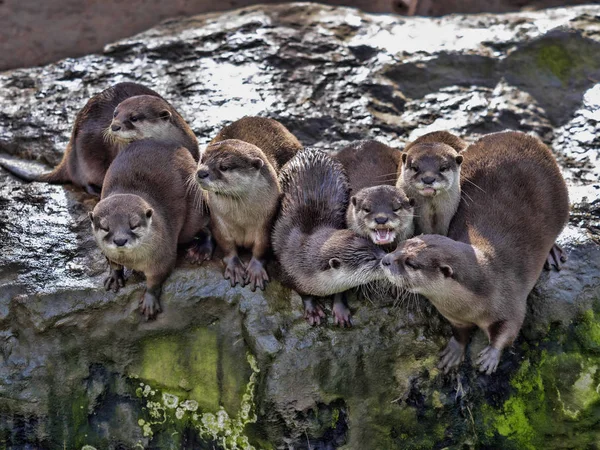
(226, 367)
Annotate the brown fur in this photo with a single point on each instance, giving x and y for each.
(376, 203)
(92, 146)
(430, 173)
(515, 203)
(150, 201)
(275, 140)
(243, 195)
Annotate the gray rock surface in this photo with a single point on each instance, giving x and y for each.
(227, 367)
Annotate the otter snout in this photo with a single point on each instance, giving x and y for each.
(120, 242)
(115, 127)
(202, 174)
(390, 264)
(428, 180)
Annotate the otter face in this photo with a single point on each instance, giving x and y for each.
(140, 117)
(430, 169)
(422, 265)
(121, 224)
(348, 261)
(231, 168)
(381, 213)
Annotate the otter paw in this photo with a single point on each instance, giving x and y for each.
(555, 258)
(488, 360)
(451, 356)
(198, 252)
(256, 275)
(115, 280)
(341, 315)
(313, 313)
(235, 271)
(149, 305)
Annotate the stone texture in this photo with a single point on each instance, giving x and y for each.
(79, 366)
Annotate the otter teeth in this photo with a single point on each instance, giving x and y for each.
(383, 236)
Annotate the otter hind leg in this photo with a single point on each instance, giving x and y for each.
(454, 353)
(313, 312)
(341, 313)
(501, 334)
(201, 249)
(556, 258)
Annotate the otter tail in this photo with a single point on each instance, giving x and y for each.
(58, 176)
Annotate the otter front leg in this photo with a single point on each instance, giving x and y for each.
(341, 313)
(201, 248)
(454, 353)
(116, 278)
(501, 333)
(149, 303)
(313, 313)
(556, 258)
(256, 275)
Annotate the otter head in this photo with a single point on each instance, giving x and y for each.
(347, 260)
(140, 117)
(430, 169)
(434, 266)
(121, 223)
(234, 168)
(381, 213)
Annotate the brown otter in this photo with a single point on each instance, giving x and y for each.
(149, 205)
(243, 194)
(377, 210)
(269, 135)
(318, 257)
(107, 123)
(430, 173)
(497, 244)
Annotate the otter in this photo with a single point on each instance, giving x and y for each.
(318, 256)
(378, 209)
(149, 205)
(108, 122)
(430, 173)
(239, 172)
(497, 244)
(274, 139)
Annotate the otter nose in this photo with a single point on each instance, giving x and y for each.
(388, 260)
(202, 174)
(120, 242)
(381, 220)
(115, 127)
(428, 180)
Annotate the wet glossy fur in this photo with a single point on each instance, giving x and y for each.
(514, 205)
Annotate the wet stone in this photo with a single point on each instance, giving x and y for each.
(226, 367)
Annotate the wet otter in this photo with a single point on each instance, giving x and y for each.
(318, 257)
(377, 210)
(497, 244)
(239, 172)
(149, 205)
(107, 123)
(430, 173)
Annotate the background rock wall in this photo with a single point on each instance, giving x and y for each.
(229, 368)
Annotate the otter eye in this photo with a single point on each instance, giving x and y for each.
(415, 168)
(133, 119)
(443, 169)
(103, 228)
(115, 114)
(133, 227)
(396, 208)
(367, 210)
(224, 168)
(410, 264)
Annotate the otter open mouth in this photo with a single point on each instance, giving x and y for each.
(428, 192)
(383, 236)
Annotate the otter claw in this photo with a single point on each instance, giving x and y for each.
(235, 271)
(313, 313)
(451, 356)
(115, 280)
(149, 305)
(488, 360)
(256, 275)
(341, 314)
(197, 253)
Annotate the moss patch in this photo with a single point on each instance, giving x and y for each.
(557, 60)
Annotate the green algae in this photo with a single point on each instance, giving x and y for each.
(167, 411)
(556, 59)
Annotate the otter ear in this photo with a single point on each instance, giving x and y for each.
(412, 201)
(165, 114)
(404, 156)
(91, 216)
(335, 263)
(459, 159)
(446, 270)
(257, 163)
(353, 200)
(149, 213)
